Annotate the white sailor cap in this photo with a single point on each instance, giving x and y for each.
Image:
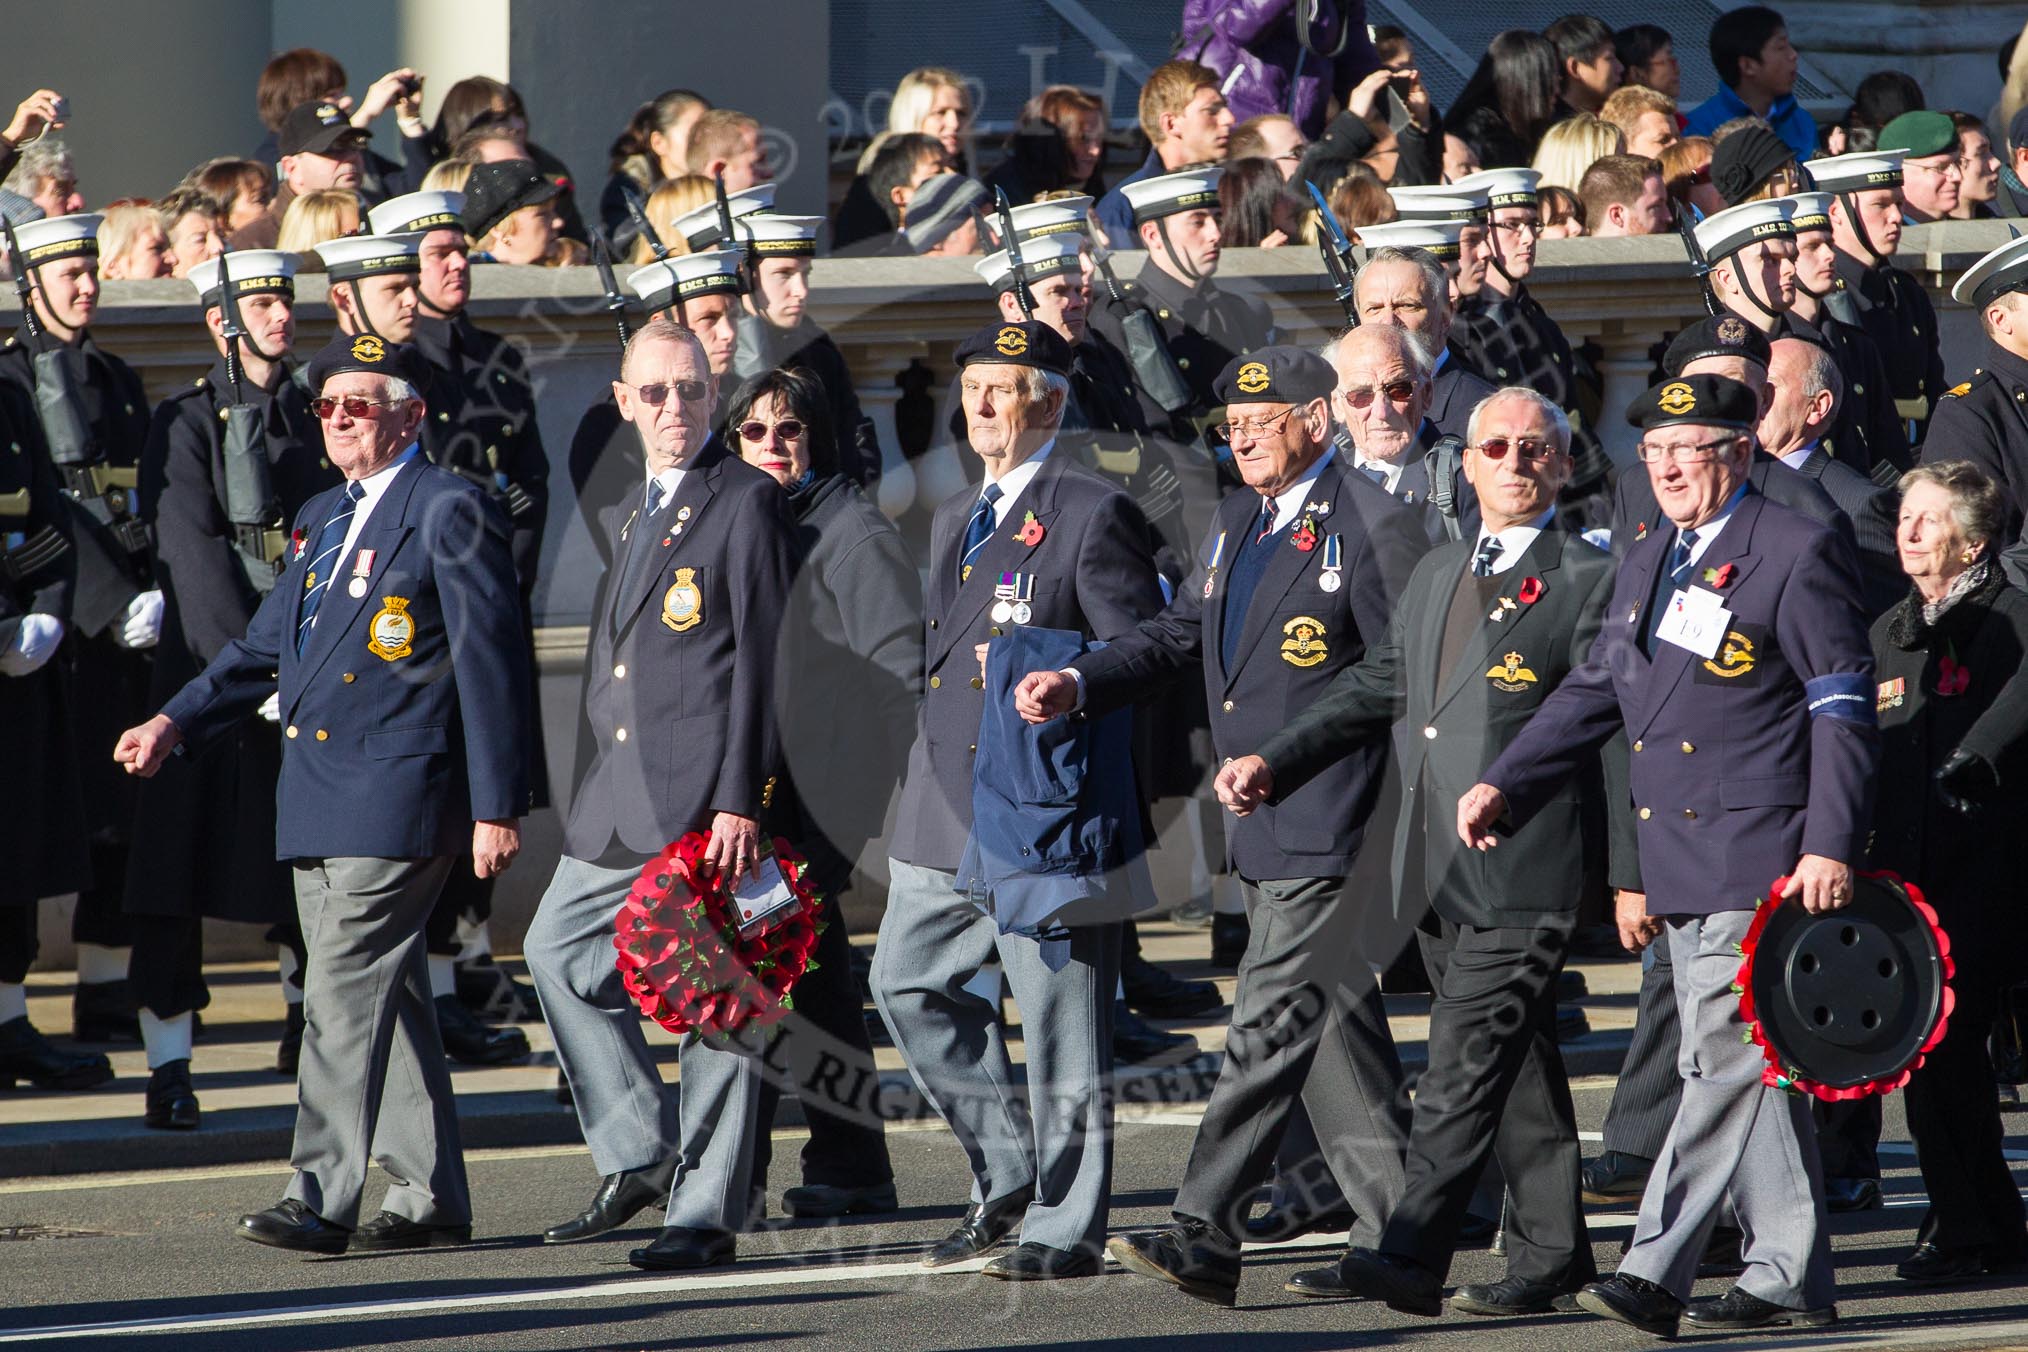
(2004, 269)
(1859, 172)
(1043, 256)
(349, 257)
(1809, 210)
(779, 236)
(1438, 238)
(1169, 194)
(1724, 233)
(700, 229)
(416, 212)
(1515, 187)
(253, 272)
(1447, 202)
(1035, 219)
(688, 276)
(55, 237)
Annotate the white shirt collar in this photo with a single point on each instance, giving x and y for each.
(1794, 459)
(1014, 480)
(1514, 541)
(1390, 468)
(372, 488)
(669, 478)
(1711, 529)
(1290, 502)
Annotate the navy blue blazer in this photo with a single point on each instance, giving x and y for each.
(1295, 637)
(679, 673)
(1094, 574)
(1056, 815)
(1741, 763)
(403, 718)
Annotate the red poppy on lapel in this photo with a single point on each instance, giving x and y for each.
(1951, 678)
(1720, 578)
(1531, 591)
(1305, 536)
(1031, 531)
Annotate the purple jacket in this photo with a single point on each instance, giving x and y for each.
(1252, 45)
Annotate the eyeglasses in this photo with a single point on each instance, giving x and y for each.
(1397, 392)
(1256, 429)
(1519, 227)
(354, 406)
(1496, 448)
(1701, 177)
(1684, 455)
(788, 429)
(657, 394)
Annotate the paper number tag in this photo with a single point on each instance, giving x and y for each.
(758, 899)
(1696, 621)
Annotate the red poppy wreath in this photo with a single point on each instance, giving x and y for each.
(683, 958)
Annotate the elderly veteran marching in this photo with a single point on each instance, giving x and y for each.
(1735, 655)
(1042, 542)
(679, 719)
(392, 641)
(1296, 578)
(231, 459)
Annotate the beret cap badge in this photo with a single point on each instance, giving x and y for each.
(1012, 342)
(1252, 377)
(367, 347)
(1676, 399)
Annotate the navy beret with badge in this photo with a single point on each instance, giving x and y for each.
(1717, 336)
(1275, 375)
(369, 352)
(1702, 401)
(1017, 342)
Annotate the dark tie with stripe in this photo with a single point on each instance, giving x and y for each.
(978, 530)
(636, 547)
(1488, 555)
(324, 559)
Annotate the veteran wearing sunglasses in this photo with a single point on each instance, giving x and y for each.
(678, 711)
(392, 648)
(1295, 581)
(1488, 626)
(1382, 401)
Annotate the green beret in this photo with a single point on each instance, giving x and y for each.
(1921, 134)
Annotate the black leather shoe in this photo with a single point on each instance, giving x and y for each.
(103, 1011)
(1190, 1255)
(471, 1043)
(1851, 1194)
(1040, 1263)
(291, 1225)
(25, 1054)
(1229, 936)
(1571, 1023)
(1161, 994)
(1399, 1283)
(491, 992)
(172, 1103)
(1633, 1301)
(1291, 1221)
(1319, 1284)
(289, 1051)
(1613, 1179)
(388, 1231)
(1136, 1042)
(1933, 1266)
(1508, 1296)
(1736, 1311)
(681, 1249)
(619, 1199)
(985, 1224)
(820, 1201)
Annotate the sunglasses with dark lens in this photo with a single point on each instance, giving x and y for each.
(1496, 448)
(1397, 391)
(657, 394)
(788, 429)
(354, 406)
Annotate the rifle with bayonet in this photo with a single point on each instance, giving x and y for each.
(1336, 247)
(251, 507)
(1023, 295)
(637, 211)
(1155, 369)
(616, 303)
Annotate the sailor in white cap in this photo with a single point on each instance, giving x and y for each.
(1176, 219)
(1868, 433)
(1985, 419)
(116, 609)
(1866, 222)
(373, 284)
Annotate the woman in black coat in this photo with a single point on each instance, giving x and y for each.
(1953, 782)
(848, 677)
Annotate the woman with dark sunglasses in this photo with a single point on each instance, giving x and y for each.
(846, 688)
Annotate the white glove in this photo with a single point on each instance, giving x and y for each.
(271, 708)
(34, 643)
(141, 627)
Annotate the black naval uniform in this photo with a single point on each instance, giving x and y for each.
(205, 825)
(1869, 432)
(1511, 340)
(108, 684)
(1985, 420)
(807, 348)
(481, 424)
(1205, 327)
(1896, 313)
(1456, 387)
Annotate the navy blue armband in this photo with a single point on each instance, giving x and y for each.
(1848, 695)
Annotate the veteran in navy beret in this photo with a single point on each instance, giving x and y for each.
(392, 644)
(1735, 657)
